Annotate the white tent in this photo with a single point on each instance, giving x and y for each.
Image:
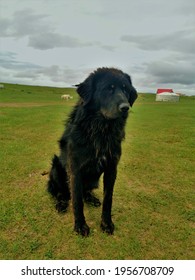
(167, 96)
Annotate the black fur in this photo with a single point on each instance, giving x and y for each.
(91, 145)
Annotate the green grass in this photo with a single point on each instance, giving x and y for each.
(153, 207)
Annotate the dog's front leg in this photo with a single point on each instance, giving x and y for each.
(77, 198)
(109, 180)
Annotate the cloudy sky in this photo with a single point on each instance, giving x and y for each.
(57, 43)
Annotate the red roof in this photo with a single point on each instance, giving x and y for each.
(160, 90)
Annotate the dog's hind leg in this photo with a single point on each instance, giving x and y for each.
(91, 199)
(88, 195)
(58, 185)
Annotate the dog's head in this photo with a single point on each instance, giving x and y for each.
(108, 91)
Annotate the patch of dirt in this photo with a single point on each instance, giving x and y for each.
(20, 105)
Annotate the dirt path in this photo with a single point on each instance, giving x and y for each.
(23, 105)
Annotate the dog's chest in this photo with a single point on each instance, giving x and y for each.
(104, 154)
(101, 162)
(105, 147)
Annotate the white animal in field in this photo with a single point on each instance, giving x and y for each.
(1, 86)
(66, 96)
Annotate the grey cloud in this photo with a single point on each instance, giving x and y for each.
(50, 40)
(108, 47)
(19, 69)
(40, 32)
(181, 41)
(24, 23)
(53, 72)
(72, 75)
(65, 75)
(29, 74)
(188, 8)
(8, 60)
(32, 72)
(174, 73)
(27, 22)
(7, 55)
(4, 27)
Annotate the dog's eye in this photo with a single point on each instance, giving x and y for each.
(124, 88)
(111, 87)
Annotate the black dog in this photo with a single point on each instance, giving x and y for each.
(91, 145)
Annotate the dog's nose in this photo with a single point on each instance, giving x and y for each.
(124, 107)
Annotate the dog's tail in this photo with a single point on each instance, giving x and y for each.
(58, 184)
(54, 176)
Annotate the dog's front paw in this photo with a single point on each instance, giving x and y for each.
(107, 227)
(82, 229)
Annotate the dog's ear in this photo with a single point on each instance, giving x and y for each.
(85, 89)
(133, 92)
(133, 96)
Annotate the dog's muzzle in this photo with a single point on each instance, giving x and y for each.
(124, 107)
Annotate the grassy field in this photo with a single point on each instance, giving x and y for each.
(153, 206)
